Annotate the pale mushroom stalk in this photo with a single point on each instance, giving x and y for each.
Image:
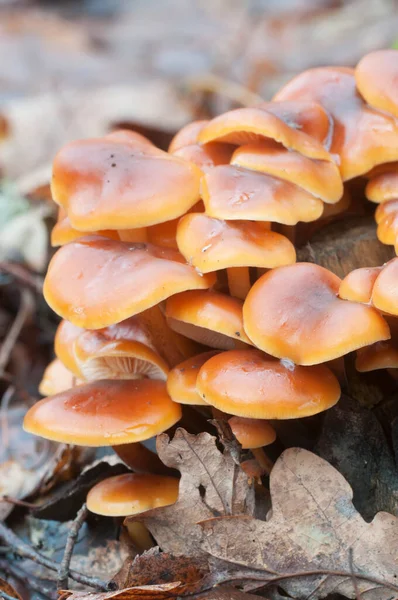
(263, 460)
(238, 281)
(140, 536)
(133, 235)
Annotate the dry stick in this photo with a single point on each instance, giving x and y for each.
(5, 596)
(4, 403)
(23, 275)
(24, 550)
(17, 502)
(63, 571)
(8, 344)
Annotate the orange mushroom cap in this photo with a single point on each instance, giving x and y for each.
(320, 178)
(56, 378)
(132, 494)
(245, 125)
(376, 76)
(65, 337)
(181, 381)
(210, 318)
(248, 383)
(233, 193)
(187, 135)
(207, 156)
(252, 433)
(383, 187)
(294, 313)
(382, 355)
(385, 288)
(210, 244)
(116, 182)
(308, 117)
(62, 233)
(362, 136)
(386, 216)
(121, 351)
(358, 285)
(104, 413)
(88, 283)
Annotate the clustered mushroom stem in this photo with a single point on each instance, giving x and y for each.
(139, 535)
(156, 322)
(238, 281)
(263, 460)
(133, 235)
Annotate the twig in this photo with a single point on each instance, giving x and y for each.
(17, 502)
(24, 310)
(25, 578)
(5, 596)
(24, 550)
(230, 89)
(5, 401)
(21, 274)
(63, 571)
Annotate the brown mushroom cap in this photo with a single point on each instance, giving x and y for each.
(376, 76)
(321, 178)
(104, 413)
(117, 182)
(131, 494)
(245, 125)
(87, 280)
(65, 337)
(252, 433)
(248, 383)
(385, 288)
(56, 378)
(386, 216)
(210, 318)
(358, 285)
(294, 313)
(181, 381)
(362, 136)
(233, 193)
(121, 351)
(210, 244)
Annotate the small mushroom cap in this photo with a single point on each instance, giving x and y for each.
(362, 136)
(308, 117)
(382, 355)
(386, 216)
(187, 136)
(385, 289)
(116, 183)
(376, 76)
(56, 378)
(231, 192)
(64, 341)
(293, 312)
(207, 156)
(210, 244)
(383, 187)
(121, 351)
(210, 318)
(132, 494)
(86, 281)
(252, 433)
(245, 125)
(104, 413)
(358, 285)
(318, 177)
(181, 381)
(62, 233)
(248, 383)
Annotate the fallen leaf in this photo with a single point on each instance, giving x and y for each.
(8, 589)
(145, 592)
(226, 592)
(155, 567)
(313, 526)
(211, 484)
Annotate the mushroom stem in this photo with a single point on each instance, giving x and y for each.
(140, 459)
(139, 535)
(263, 460)
(238, 281)
(163, 337)
(133, 235)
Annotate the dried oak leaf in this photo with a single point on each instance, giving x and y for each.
(211, 485)
(8, 589)
(144, 592)
(313, 527)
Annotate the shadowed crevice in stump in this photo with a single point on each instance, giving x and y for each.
(346, 245)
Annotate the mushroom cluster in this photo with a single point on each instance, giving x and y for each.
(177, 281)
